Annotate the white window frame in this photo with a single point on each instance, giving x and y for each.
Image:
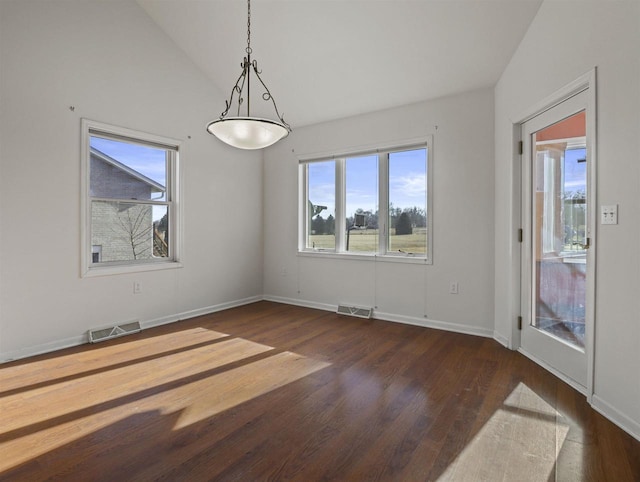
(88, 268)
(383, 203)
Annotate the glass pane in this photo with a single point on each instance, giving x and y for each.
(408, 201)
(560, 238)
(362, 204)
(574, 196)
(125, 170)
(321, 205)
(122, 231)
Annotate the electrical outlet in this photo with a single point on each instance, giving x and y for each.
(137, 288)
(609, 214)
(453, 287)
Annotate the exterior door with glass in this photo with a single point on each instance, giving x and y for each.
(556, 259)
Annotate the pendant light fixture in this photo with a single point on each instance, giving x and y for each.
(246, 132)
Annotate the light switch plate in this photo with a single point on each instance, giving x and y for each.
(609, 214)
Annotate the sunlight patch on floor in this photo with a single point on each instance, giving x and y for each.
(48, 417)
(521, 441)
(29, 372)
(230, 388)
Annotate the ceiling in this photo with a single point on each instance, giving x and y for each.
(328, 59)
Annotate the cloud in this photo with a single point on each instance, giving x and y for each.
(412, 185)
(319, 193)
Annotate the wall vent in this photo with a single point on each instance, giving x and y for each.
(114, 331)
(354, 311)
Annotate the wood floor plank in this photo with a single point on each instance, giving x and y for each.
(275, 392)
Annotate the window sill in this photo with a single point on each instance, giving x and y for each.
(131, 268)
(407, 258)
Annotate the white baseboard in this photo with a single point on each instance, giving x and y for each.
(501, 339)
(199, 312)
(145, 324)
(620, 419)
(82, 339)
(378, 315)
(43, 348)
(438, 325)
(303, 303)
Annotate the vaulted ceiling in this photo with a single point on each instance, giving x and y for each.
(328, 59)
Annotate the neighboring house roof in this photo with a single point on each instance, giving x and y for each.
(155, 186)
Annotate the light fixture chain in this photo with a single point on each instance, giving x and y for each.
(248, 27)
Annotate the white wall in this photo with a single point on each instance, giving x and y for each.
(110, 61)
(566, 40)
(462, 217)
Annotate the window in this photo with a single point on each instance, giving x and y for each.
(574, 198)
(370, 203)
(321, 205)
(407, 201)
(561, 188)
(130, 200)
(361, 202)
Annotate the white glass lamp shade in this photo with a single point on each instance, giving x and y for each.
(248, 132)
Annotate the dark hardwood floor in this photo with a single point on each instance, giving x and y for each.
(276, 392)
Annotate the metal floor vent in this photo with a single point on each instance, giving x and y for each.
(354, 311)
(114, 331)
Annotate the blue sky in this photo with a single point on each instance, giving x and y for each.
(575, 173)
(407, 182)
(322, 190)
(407, 179)
(362, 184)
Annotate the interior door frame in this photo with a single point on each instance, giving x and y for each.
(586, 82)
